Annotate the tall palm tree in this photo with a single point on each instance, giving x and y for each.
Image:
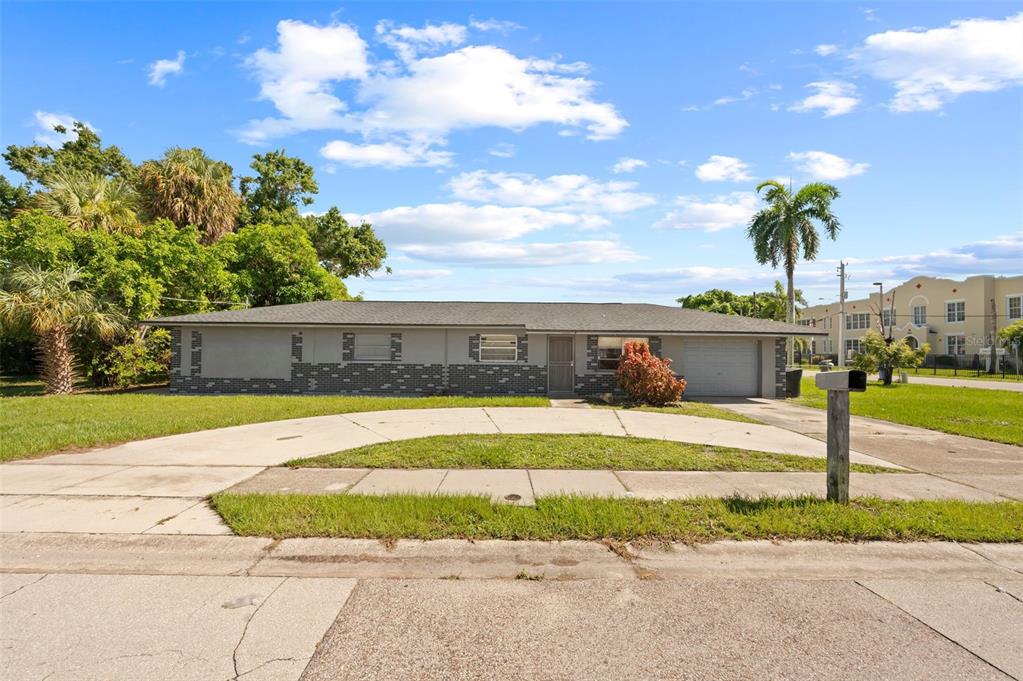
(55, 308)
(189, 188)
(89, 200)
(786, 226)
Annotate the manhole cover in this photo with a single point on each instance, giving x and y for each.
(513, 497)
(290, 437)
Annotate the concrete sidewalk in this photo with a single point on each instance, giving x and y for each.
(952, 381)
(522, 486)
(78, 608)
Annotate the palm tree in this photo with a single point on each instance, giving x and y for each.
(189, 188)
(89, 200)
(785, 227)
(55, 309)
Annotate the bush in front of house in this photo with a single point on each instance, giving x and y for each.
(647, 378)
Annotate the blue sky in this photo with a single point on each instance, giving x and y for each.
(541, 151)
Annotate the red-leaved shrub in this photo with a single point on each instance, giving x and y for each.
(647, 378)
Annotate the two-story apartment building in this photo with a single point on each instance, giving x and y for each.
(953, 317)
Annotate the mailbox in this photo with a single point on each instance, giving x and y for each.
(845, 381)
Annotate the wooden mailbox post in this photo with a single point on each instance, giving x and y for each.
(839, 384)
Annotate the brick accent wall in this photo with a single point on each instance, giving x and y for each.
(395, 347)
(347, 347)
(296, 347)
(655, 346)
(474, 347)
(196, 349)
(591, 353)
(780, 358)
(175, 363)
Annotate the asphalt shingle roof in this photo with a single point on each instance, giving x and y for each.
(536, 317)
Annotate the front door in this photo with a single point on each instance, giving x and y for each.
(560, 364)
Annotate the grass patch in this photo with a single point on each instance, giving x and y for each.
(685, 408)
(564, 451)
(39, 425)
(558, 518)
(995, 415)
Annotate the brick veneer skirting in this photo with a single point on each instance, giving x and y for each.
(780, 358)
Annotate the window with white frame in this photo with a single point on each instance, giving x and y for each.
(955, 344)
(373, 347)
(851, 345)
(857, 320)
(499, 348)
(919, 315)
(887, 318)
(1014, 307)
(955, 311)
(610, 348)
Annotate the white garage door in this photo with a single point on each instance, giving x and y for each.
(721, 366)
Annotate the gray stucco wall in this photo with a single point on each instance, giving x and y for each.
(422, 361)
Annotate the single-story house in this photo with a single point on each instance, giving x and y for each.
(468, 348)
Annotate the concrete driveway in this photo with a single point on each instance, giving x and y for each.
(988, 466)
(159, 485)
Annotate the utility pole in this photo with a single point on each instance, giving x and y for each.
(994, 336)
(841, 313)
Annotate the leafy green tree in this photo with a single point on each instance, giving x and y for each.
(766, 305)
(876, 353)
(344, 250)
(1012, 333)
(13, 198)
(277, 264)
(56, 308)
(82, 152)
(786, 226)
(275, 193)
(90, 201)
(189, 188)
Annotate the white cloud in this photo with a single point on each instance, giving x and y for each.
(161, 68)
(932, 67)
(826, 49)
(446, 222)
(502, 150)
(46, 135)
(627, 165)
(721, 168)
(747, 93)
(578, 193)
(494, 25)
(408, 42)
(720, 212)
(824, 166)
(420, 100)
(539, 254)
(835, 97)
(297, 77)
(387, 155)
(1000, 255)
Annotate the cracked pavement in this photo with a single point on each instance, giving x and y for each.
(78, 607)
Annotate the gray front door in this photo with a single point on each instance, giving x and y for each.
(560, 364)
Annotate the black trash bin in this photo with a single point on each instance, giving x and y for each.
(792, 379)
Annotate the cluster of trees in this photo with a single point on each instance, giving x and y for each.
(173, 235)
(767, 305)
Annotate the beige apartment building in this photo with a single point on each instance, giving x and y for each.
(953, 317)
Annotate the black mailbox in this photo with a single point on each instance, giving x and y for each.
(845, 381)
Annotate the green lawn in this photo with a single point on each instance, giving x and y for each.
(685, 408)
(562, 518)
(32, 426)
(563, 451)
(995, 415)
